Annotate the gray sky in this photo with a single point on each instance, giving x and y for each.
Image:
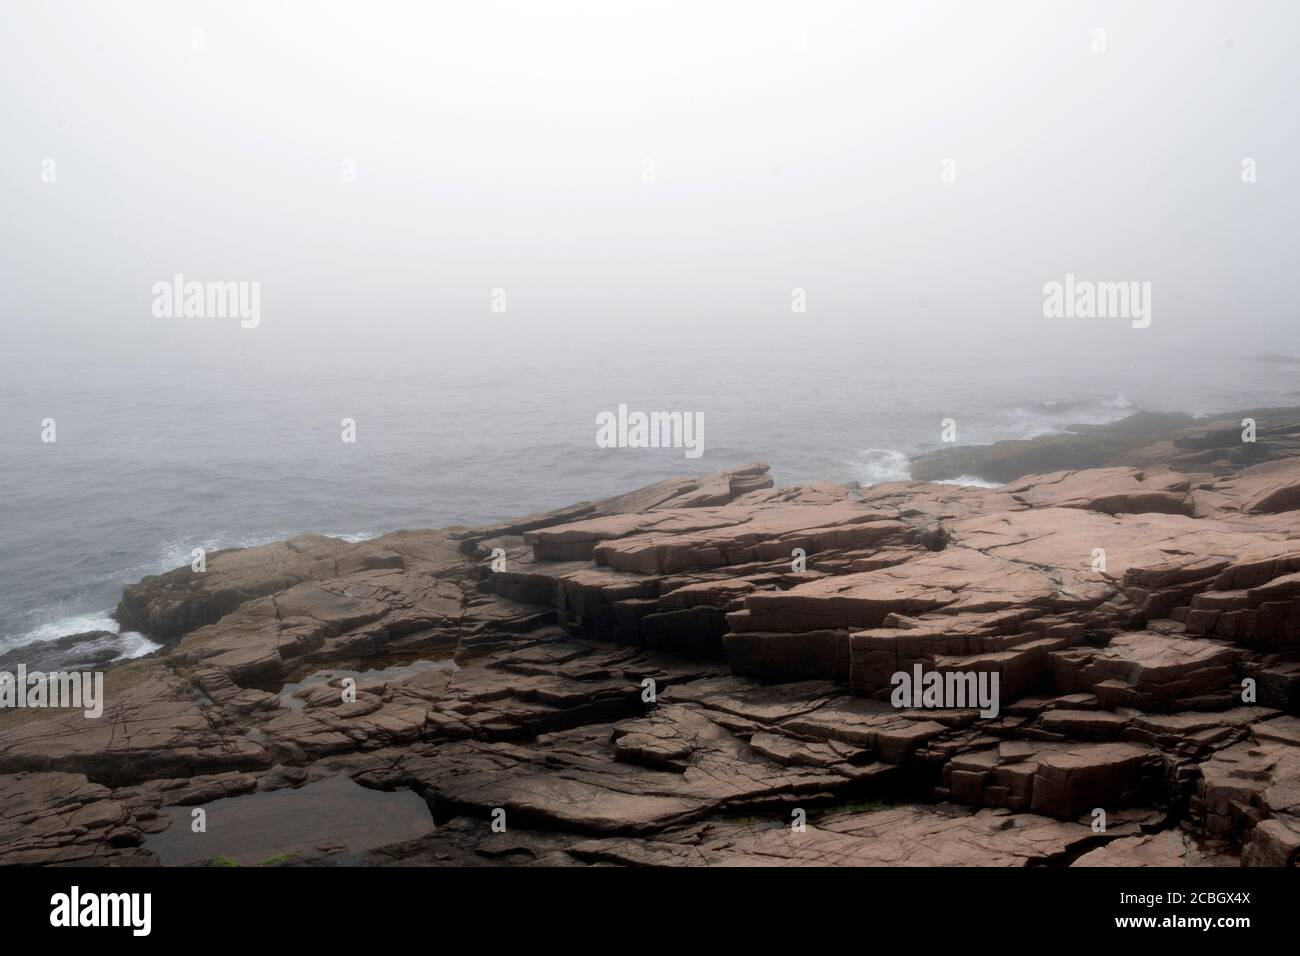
(504, 145)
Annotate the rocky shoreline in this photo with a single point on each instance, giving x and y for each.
(699, 672)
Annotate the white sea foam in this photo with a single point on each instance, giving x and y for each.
(130, 643)
(135, 644)
(1054, 417)
(63, 626)
(877, 465)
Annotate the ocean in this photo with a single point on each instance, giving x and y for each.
(155, 458)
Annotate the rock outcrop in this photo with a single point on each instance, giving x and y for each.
(703, 672)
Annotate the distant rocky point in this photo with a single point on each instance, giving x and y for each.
(1146, 439)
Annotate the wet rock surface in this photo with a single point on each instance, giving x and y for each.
(702, 672)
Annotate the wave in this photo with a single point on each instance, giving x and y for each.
(1029, 420)
(129, 643)
(878, 465)
(63, 626)
(135, 644)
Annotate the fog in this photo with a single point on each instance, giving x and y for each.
(640, 172)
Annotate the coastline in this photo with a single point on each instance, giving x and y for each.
(769, 681)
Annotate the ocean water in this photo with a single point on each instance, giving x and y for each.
(153, 459)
